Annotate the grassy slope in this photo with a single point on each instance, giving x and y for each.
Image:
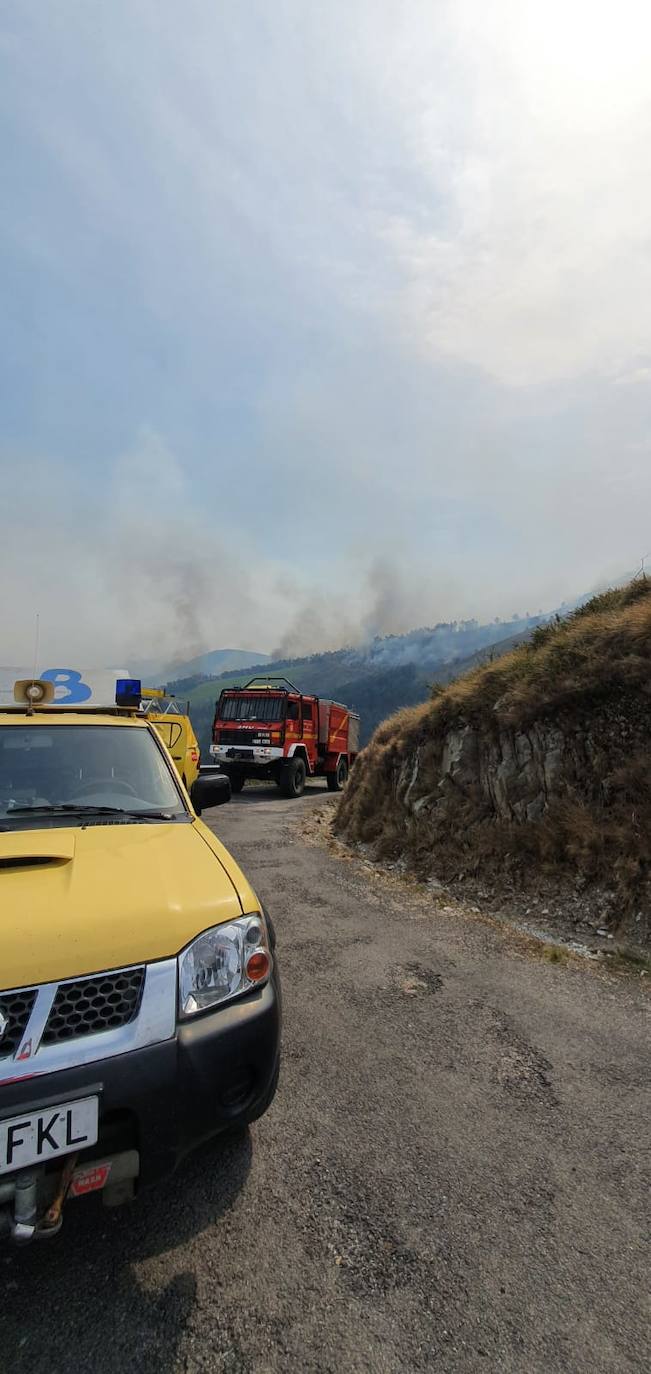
(586, 670)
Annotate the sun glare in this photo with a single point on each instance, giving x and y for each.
(581, 52)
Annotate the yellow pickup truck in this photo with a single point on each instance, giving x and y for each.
(175, 729)
(139, 989)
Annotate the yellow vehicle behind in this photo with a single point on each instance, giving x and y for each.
(139, 990)
(175, 729)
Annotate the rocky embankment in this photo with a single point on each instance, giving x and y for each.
(530, 771)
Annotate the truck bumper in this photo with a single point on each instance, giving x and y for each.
(218, 1072)
(246, 756)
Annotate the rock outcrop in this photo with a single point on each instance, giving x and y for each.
(538, 763)
(515, 775)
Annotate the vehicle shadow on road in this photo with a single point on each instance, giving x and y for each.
(90, 1298)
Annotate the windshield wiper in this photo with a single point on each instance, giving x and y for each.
(81, 809)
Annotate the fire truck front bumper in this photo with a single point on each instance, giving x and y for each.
(259, 756)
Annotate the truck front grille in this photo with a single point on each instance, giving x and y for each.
(250, 737)
(89, 1005)
(15, 1009)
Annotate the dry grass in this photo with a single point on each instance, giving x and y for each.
(605, 645)
(591, 673)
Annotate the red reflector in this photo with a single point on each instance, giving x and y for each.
(89, 1180)
(257, 966)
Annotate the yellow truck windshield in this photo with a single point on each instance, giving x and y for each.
(67, 768)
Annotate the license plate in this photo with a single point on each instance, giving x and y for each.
(35, 1137)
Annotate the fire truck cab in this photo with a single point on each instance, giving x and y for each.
(268, 729)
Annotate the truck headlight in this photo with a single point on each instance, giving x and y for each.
(223, 963)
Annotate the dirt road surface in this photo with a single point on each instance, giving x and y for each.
(451, 1177)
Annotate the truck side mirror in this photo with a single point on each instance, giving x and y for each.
(210, 790)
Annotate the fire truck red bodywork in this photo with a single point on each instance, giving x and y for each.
(274, 731)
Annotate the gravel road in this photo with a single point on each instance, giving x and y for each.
(451, 1176)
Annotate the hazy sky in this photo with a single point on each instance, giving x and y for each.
(318, 315)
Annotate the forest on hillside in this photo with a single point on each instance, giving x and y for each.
(375, 679)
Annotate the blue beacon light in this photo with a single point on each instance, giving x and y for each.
(128, 692)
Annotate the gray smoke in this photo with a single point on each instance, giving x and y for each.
(386, 597)
(143, 576)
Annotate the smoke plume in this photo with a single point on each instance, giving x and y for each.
(140, 576)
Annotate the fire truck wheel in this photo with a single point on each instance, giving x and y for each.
(237, 781)
(337, 780)
(292, 778)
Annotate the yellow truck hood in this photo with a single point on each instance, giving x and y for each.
(79, 900)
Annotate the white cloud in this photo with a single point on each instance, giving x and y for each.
(477, 175)
(637, 376)
(539, 152)
(398, 252)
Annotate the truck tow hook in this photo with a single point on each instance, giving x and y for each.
(53, 1219)
(25, 1224)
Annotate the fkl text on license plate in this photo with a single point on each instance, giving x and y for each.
(37, 1136)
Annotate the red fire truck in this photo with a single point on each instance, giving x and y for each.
(268, 729)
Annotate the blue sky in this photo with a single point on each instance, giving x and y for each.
(318, 318)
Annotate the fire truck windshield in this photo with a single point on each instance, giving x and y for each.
(254, 707)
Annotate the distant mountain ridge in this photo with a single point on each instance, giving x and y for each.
(210, 664)
(426, 648)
